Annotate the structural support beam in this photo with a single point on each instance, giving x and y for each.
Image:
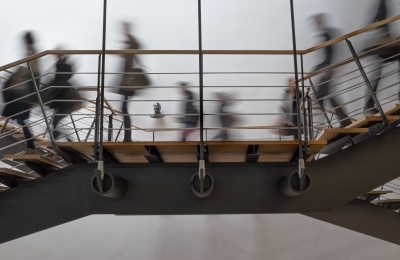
(163, 189)
(365, 218)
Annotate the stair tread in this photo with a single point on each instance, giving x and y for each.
(15, 173)
(368, 119)
(387, 201)
(33, 157)
(377, 192)
(327, 134)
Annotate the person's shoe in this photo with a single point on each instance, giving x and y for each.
(130, 140)
(30, 151)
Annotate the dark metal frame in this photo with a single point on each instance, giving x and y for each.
(301, 170)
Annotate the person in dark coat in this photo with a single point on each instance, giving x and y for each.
(385, 53)
(289, 121)
(226, 118)
(19, 110)
(130, 61)
(323, 88)
(60, 107)
(191, 114)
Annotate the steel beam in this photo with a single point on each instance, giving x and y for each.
(365, 218)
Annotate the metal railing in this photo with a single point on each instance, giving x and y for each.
(315, 115)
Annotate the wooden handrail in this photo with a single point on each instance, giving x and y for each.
(352, 34)
(179, 52)
(216, 52)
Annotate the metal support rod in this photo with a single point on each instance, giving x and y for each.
(4, 126)
(76, 132)
(310, 118)
(321, 105)
(101, 101)
(304, 109)
(368, 83)
(53, 143)
(110, 127)
(296, 76)
(201, 161)
(119, 132)
(90, 130)
(96, 128)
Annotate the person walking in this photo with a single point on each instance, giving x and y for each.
(324, 83)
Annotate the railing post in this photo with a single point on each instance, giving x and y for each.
(76, 131)
(119, 132)
(321, 105)
(301, 169)
(368, 83)
(53, 143)
(110, 127)
(310, 117)
(304, 108)
(4, 126)
(90, 130)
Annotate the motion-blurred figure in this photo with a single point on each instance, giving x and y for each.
(19, 110)
(138, 79)
(290, 109)
(323, 89)
(386, 50)
(60, 107)
(191, 114)
(226, 118)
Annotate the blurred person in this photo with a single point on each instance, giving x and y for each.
(19, 110)
(327, 33)
(386, 48)
(226, 118)
(290, 109)
(191, 114)
(139, 79)
(60, 107)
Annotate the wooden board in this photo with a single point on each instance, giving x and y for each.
(395, 109)
(329, 133)
(364, 122)
(227, 152)
(127, 153)
(180, 152)
(386, 201)
(379, 192)
(15, 173)
(33, 157)
(187, 152)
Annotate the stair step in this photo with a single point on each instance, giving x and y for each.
(379, 192)
(369, 120)
(389, 201)
(329, 133)
(35, 158)
(15, 173)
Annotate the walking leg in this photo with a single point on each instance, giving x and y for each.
(127, 121)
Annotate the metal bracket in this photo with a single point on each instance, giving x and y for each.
(201, 191)
(373, 131)
(336, 146)
(154, 155)
(251, 154)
